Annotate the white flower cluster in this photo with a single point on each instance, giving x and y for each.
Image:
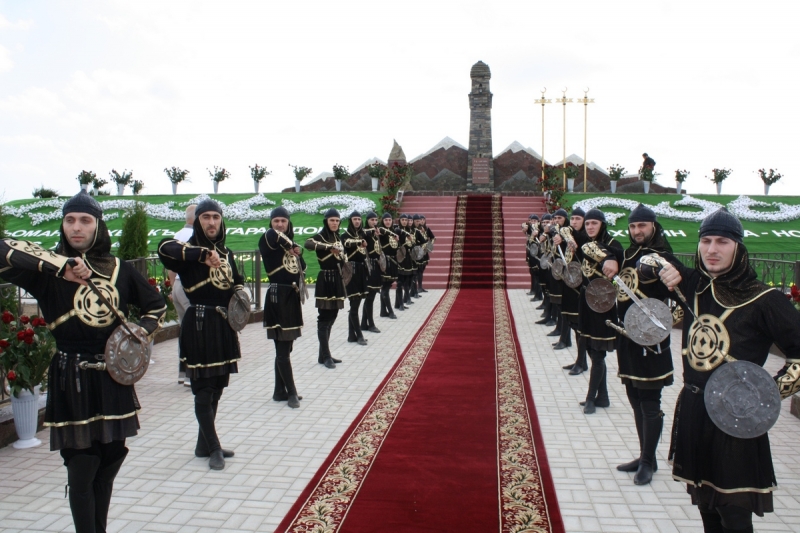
(741, 209)
(240, 211)
(346, 202)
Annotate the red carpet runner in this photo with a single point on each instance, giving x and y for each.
(449, 442)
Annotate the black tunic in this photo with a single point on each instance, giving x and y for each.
(389, 245)
(329, 291)
(373, 254)
(283, 314)
(718, 468)
(100, 409)
(357, 257)
(593, 326)
(406, 266)
(208, 345)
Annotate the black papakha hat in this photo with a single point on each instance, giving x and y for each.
(279, 212)
(207, 205)
(370, 215)
(387, 215)
(83, 203)
(332, 212)
(561, 213)
(642, 213)
(533, 217)
(547, 216)
(404, 215)
(595, 214)
(578, 212)
(416, 217)
(722, 224)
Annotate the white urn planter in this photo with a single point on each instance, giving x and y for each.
(766, 189)
(174, 188)
(85, 187)
(256, 184)
(678, 186)
(613, 186)
(719, 188)
(646, 185)
(571, 184)
(216, 187)
(338, 185)
(296, 185)
(120, 189)
(26, 418)
(375, 184)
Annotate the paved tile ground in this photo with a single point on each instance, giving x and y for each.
(163, 487)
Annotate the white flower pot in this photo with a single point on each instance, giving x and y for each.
(296, 185)
(678, 186)
(766, 189)
(375, 184)
(646, 185)
(719, 188)
(26, 418)
(338, 185)
(85, 187)
(216, 187)
(120, 189)
(174, 188)
(256, 185)
(613, 186)
(571, 184)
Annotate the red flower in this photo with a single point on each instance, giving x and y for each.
(20, 335)
(24, 319)
(152, 281)
(4, 343)
(7, 317)
(38, 322)
(28, 340)
(167, 283)
(11, 375)
(29, 332)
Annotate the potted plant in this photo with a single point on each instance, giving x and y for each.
(570, 173)
(376, 172)
(26, 347)
(718, 176)
(615, 172)
(769, 177)
(340, 172)
(299, 175)
(646, 175)
(121, 179)
(137, 186)
(97, 184)
(176, 175)
(219, 174)
(258, 173)
(680, 177)
(85, 178)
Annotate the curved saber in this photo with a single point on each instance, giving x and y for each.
(638, 303)
(622, 331)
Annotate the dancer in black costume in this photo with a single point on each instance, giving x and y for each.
(573, 237)
(389, 244)
(283, 313)
(208, 344)
(405, 266)
(372, 235)
(555, 286)
(355, 249)
(430, 239)
(329, 291)
(89, 414)
(728, 478)
(544, 273)
(532, 229)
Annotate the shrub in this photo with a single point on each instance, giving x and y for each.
(44, 192)
(133, 241)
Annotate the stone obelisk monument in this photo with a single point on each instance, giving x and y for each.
(480, 167)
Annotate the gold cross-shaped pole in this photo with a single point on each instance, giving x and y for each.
(564, 100)
(542, 101)
(585, 101)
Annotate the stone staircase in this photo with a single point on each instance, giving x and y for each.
(516, 210)
(440, 215)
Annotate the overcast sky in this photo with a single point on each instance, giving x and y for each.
(145, 85)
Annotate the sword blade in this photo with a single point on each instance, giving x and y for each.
(638, 303)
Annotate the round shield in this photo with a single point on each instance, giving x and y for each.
(708, 343)
(742, 399)
(544, 262)
(601, 295)
(533, 249)
(557, 268)
(430, 246)
(401, 254)
(573, 276)
(347, 272)
(239, 310)
(641, 329)
(631, 279)
(127, 357)
(417, 253)
(382, 262)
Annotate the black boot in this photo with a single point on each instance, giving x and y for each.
(386, 303)
(419, 279)
(81, 471)
(633, 466)
(596, 376)
(353, 323)
(565, 341)
(580, 366)
(545, 301)
(204, 412)
(651, 433)
(559, 326)
(279, 393)
(367, 322)
(398, 297)
(284, 364)
(103, 486)
(407, 292)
